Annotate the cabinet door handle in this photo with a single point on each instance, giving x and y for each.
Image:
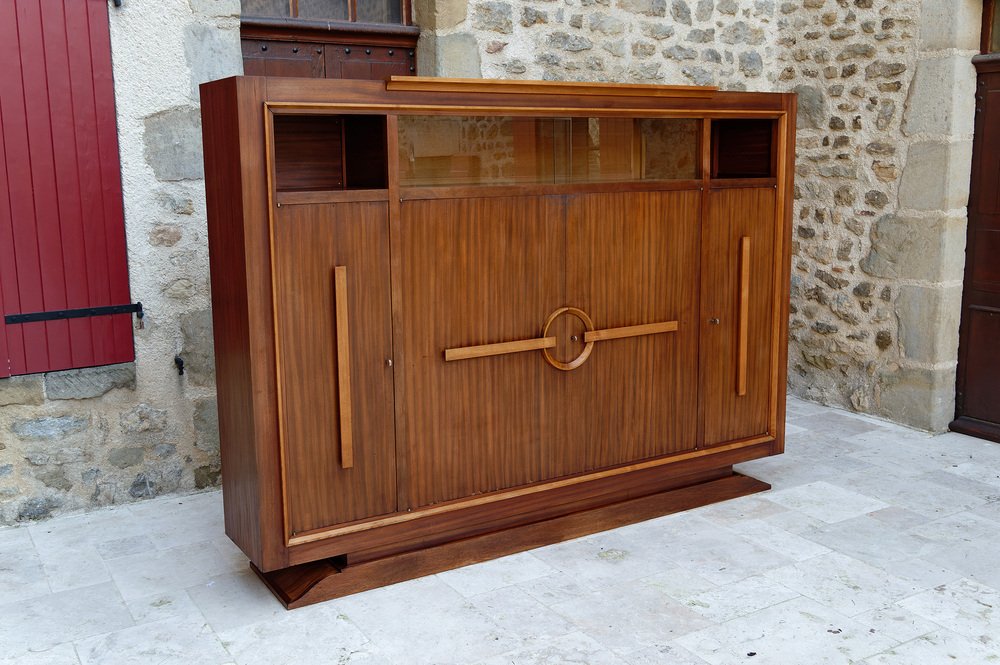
(343, 367)
(744, 319)
(483, 350)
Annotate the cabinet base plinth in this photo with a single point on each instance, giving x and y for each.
(318, 581)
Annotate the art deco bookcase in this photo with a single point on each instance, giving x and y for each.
(456, 319)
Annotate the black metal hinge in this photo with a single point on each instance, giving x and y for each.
(57, 314)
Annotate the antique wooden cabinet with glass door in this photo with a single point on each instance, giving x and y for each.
(459, 319)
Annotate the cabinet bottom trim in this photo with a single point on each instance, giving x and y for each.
(461, 504)
(308, 583)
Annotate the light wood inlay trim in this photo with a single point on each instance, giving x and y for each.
(343, 367)
(744, 320)
(330, 196)
(435, 84)
(629, 331)
(461, 504)
(484, 350)
(301, 108)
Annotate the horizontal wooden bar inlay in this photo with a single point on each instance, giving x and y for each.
(582, 89)
(484, 350)
(629, 331)
(419, 193)
(330, 196)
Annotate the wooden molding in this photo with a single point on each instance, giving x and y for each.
(434, 84)
(484, 350)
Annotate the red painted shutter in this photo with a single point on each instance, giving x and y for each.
(62, 230)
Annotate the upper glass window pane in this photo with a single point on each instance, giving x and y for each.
(995, 34)
(500, 150)
(333, 10)
(267, 8)
(380, 11)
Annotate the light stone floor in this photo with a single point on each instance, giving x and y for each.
(877, 545)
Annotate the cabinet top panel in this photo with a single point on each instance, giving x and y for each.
(474, 96)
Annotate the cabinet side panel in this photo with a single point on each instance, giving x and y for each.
(224, 198)
(735, 215)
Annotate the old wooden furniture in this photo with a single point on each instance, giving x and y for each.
(459, 319)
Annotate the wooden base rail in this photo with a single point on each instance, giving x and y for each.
(545, 342)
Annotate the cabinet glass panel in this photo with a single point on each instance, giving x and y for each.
(502, 150)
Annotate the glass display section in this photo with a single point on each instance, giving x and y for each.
(507, 150)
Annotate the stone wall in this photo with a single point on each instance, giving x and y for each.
(883, 154)
(85, 438)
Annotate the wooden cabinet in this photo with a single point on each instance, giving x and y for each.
(459, 319)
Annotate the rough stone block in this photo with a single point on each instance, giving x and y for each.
(21, 390)
(173, 144)
(812, 111)
(493, 16)
(652, 7)
(197, 347)
(37, 508)
(143, 418)
(941, 99)
(211, 54)
(455, 55)
(206, 476)
(206, 425)
(936, 176)
(953, 24)
(123, 458)
(928, 249)
(440, 14)
(921, 398)
(47, 428)
(89, 382)
(928, 322)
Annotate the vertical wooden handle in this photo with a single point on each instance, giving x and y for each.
(343, 366)
(744, 319)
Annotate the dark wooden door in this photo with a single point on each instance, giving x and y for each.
(737, 300)
(978, 395)
(331, 300)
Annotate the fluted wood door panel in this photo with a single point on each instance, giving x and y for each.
(474, 272)
(737, 301)
(632, 262)
(331, 268)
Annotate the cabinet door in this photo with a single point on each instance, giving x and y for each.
(331, 291)
(737, 323)
(475, 272)
(632, 264)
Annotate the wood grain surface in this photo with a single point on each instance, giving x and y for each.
(732, 215)
(309, 243)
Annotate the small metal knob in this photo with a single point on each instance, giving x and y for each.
(388, 362)
(368, 51)
(714, 321)
(574, 338)
(347, 50)
(390, 51)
